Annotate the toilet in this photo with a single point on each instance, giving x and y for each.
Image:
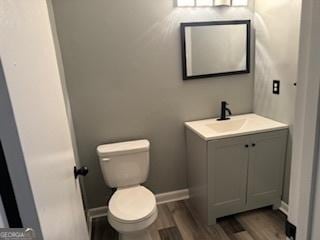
(132, 208)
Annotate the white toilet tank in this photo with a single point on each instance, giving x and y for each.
(124, 164)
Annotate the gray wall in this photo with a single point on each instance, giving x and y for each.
(123, 71)
(277, 44)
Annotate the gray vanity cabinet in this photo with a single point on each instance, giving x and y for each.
(266, 169)
(227, 175)
(236, 174)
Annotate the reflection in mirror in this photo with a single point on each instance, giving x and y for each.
(215, 48)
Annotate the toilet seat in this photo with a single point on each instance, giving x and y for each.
(132, 205)
(125, 228)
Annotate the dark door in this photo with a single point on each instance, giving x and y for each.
(7, 194)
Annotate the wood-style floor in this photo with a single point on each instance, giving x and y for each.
(177, 222)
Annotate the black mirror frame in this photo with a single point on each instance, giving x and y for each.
(183, 47)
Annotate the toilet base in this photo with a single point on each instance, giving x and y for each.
(141, 235)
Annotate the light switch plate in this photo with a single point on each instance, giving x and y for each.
(276, 87)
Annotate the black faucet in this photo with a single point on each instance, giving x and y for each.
(224, 109)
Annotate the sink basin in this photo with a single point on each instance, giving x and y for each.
(237, 126)
(227, 126)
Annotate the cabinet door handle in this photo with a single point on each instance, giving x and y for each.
(246, 146)
(253, 145)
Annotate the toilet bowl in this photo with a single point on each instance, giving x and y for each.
(132, 208)
(131, 211)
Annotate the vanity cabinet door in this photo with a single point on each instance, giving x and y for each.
(227, 175)
(266, 168)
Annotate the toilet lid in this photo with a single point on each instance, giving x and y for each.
(132, 204)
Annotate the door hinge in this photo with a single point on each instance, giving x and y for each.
(291, 230)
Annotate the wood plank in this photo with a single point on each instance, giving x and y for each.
(170, 234)
(276, 217)
(244, 236)
(215, 232)
(188, 227)
(230, 226)
(165, 219)
(261, 226)
(154, 232)
(254, 224)
(101, 229)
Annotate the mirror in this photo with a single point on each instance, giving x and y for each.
(211, 49)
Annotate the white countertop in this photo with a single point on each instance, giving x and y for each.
(239, 125)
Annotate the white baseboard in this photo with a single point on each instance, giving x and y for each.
(172, 196)
(97, 212)
(284, 208)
